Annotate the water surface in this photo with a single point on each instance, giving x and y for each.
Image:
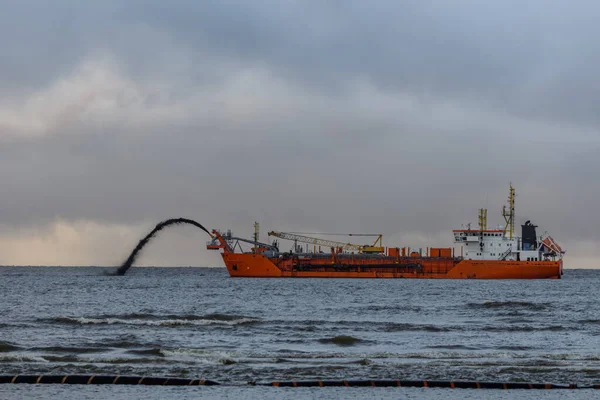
(198, 322)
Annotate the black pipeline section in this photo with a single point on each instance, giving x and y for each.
(144, 380)
(173, 221)
(104, 380)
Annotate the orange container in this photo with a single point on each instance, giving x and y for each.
(434, 252)
(446, 252)
(393, 252)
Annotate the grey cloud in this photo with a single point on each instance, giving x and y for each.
(392, 117)
(537, 57)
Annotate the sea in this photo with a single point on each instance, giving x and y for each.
(200, 323)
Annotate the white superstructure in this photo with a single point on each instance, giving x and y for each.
(501, 244)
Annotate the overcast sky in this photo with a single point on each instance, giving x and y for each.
(394, 117)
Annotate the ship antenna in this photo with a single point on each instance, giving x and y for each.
(509, 215)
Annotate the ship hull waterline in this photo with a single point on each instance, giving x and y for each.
(248, 265)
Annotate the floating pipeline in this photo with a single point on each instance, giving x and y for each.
(426, 384)
(104, 380)
(164, 381)
(161, 225)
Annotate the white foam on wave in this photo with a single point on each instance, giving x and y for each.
(163, 322)
(21, 357)
(211, 357)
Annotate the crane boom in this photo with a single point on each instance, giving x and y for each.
(330, 243)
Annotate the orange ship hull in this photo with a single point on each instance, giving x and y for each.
(251, 265)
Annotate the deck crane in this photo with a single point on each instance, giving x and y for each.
(376, 247)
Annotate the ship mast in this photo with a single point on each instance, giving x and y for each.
(509, 215)
(256, 235)
(482, 219)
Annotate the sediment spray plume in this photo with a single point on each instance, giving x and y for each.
(174, 221)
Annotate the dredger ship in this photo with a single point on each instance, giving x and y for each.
(484, 254)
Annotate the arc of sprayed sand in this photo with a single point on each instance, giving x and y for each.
(161, 225)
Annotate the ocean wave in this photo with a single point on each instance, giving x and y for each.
(61, 359)
(6, 347)
(453, 347)
(128, 360)
(21, 357)
(526, 328)
(341, 340)
(572, 357)
(294, 355)
(147, 352)
(61, 349)
(107, 359)
(126, 341)
(515, 348)
(589, 321)
(154, 320)
(526, 305)
(360, 325)
(389, 308)
(401, 327)
(211, 357)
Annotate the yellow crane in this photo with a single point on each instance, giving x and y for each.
(376, 247)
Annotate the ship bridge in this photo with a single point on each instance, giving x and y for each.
(502, 244)
(485, 244)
